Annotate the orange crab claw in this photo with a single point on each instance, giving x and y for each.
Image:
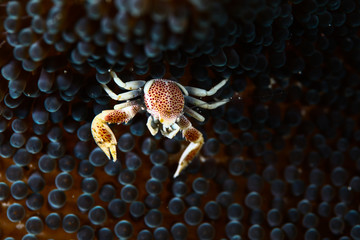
(196, 140)
(102, 133)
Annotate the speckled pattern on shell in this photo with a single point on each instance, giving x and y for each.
(164, 99)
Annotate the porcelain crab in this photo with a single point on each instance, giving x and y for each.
(165, 101)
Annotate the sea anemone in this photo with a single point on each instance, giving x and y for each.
(281, 160)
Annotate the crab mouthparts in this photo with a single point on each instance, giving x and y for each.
(167, 128)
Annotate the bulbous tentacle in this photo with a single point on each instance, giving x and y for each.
(196, 140)
(102, 133)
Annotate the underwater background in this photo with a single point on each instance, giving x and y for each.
(282, 158)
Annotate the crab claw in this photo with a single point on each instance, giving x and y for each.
(103, 135)
(196, 140)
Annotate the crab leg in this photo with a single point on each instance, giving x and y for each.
(127, 104)
(127, 85)
(102, 133)
(194, 114)
(199, 92)
(202, 104)
(182, 89)
(196, 140)
(122, 96)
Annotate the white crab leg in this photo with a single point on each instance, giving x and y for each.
(102, 133)
(196, 140)
(199, 92)
(151, 126)
(148, 85)
(194, 114)
(127, 85)
(126, 104)
(185, 91)
(202, 104)
(122, 96)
